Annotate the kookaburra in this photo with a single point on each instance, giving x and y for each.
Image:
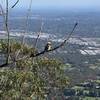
(48, 46)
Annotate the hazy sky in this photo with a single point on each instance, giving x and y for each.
(66, 4)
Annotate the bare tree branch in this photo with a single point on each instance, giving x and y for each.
(7, 30)
(15, 4)
(4, 65)
(57, 47)
(26, 21)
(26, 26)
(5, 17)
(43, 52)
(2, 11)
(41, 28)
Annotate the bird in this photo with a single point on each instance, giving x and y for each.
(48, 47)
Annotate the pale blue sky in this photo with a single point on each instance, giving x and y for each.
(66, 4)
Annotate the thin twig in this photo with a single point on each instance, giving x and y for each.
(26, 27)
(2, 12)
(5, 17)
(41, 28)
(7, 30)
(15, 4)
(26, 22)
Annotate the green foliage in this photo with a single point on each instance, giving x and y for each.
(3, 46)
(16, 46)
(30, 79)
